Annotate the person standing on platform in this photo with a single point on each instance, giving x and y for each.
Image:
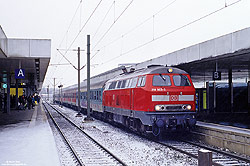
(38, 99)
(33, 101)
(29, 101)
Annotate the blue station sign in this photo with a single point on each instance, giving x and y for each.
(19, 73)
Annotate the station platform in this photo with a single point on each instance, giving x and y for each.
(231, 129)
(27, 139)
(232, 138)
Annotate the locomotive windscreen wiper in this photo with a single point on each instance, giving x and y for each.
(164, 79)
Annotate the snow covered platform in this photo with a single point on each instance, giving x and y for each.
(26, 139)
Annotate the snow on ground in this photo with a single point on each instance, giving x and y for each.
(22, 144)
(64, 152)
(130, 148)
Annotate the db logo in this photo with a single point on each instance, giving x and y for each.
(173, 98)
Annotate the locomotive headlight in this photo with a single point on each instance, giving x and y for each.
(189, 107)
(157, 108)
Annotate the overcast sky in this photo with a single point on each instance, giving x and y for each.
(118, 28)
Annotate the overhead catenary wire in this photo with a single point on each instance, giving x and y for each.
(64, 55)
(112, 4)
(112, 24)
(83, 26)
(168, 33)
(67, 59)
(71, 22)
(66, 33)
(137, 26)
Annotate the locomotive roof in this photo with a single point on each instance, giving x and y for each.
(153, 69)
(149, 70)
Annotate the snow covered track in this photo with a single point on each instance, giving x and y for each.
(85, 149)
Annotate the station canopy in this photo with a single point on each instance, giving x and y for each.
(30, 55)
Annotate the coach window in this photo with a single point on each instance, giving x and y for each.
(100, 95)
(161, 80)
(95, 95)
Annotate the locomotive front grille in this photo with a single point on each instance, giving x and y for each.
(171, 107)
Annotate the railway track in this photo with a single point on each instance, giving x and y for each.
(85, 150)
(191, 149)
(219, 158)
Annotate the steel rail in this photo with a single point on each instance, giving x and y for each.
(183, 151)
(218, 151)
(231, 156)
(64, 137)
(91, 138)
(225, 154)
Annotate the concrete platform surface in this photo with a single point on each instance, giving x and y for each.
(240, 131)
(26, 139)
(227, 137)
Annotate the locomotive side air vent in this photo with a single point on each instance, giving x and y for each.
(150, 66)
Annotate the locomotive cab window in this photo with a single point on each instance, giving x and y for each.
(181, 80)
(161, 80)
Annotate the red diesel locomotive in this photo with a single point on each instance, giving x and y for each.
(154, 99)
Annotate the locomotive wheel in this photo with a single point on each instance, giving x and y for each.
(156, 130)
(127, 122)
(140, 127)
